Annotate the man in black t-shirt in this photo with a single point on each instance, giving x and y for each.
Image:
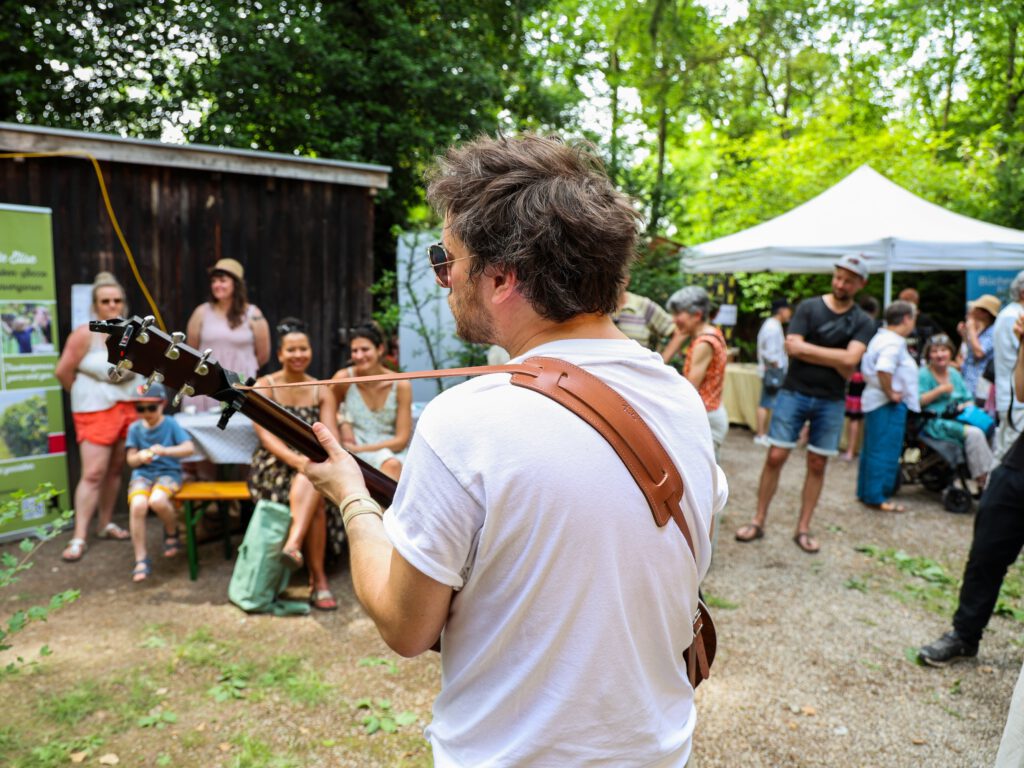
(825, 341)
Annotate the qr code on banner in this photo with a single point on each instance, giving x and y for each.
(32, 509)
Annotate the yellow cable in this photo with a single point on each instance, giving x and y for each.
(110, 213)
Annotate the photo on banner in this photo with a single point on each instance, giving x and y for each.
(32, 435)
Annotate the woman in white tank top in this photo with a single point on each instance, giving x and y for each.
(102, 412)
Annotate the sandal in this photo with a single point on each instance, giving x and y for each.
(74, 550)
(292, 559)
(323, 600)
(113, 531)
(172, 543)
(142, 569)
(887, 506)
(750, 532)
(806, 543)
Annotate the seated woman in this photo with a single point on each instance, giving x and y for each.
(276, 473)
(378, 416)
(942, 386)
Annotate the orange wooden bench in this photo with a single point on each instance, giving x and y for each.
(194, 496)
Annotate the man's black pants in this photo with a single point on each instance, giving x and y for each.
(998, 539)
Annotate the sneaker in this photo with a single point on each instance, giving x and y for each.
(948, 648)
(763, 441)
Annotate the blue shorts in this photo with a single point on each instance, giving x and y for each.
(792, 409)
(767, 398)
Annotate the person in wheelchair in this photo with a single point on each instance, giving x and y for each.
(943, 395)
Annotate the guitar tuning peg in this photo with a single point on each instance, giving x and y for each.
(185, 391)
(155, 378)
(201, 367)
(143, 336)
(172, 351)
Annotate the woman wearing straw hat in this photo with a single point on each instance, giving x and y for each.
(977, 334)
(228, 324)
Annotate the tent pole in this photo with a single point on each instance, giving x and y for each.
(887, 290)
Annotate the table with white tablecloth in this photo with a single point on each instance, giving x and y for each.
(233, 445)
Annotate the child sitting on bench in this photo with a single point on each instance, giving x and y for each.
(156, 444)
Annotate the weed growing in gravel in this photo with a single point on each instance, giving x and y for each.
(377, 661)
(379, 716)
(257, 754)
(291, 675)
(714, 601)
(934, 588)
(75, 705)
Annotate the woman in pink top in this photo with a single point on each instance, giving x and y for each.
(228, 324)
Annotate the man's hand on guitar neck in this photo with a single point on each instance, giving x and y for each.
(340, 475)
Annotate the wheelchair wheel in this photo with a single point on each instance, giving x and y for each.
(957, 500)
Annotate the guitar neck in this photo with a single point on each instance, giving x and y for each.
(300, 436)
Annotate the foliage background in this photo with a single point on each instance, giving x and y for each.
(715, 115)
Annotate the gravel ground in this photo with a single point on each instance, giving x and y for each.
(810, 672)
(814, 673)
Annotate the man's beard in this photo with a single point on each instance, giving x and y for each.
(472, 323)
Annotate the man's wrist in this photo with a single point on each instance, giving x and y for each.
(356, 504)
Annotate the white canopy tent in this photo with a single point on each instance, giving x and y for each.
(865, 213)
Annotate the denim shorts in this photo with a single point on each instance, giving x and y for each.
(792, 409)
(767, 398)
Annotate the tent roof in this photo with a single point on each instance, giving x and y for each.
(866, 213)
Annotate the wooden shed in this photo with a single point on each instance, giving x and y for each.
(302, 227)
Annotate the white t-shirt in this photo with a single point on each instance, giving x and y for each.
(887, 352)
(1004, 347)
(564, 643)
(771, 345)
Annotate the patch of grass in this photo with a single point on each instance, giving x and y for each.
(73, 706)
(378, 716)
(232, 682)
(910, 654)
(133, 697)
(713, 601)
(56, 754)
(202, 649)
(301, 684)
(929, 584)
(254, 753)
(377, 661)
(861, 585)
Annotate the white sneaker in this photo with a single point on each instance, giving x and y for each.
(763, 441)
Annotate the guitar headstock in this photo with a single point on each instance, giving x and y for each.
(136, 345)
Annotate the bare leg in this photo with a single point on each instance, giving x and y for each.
(303, 501)
(762, 421)
(163, 507)
(813, 482)
(87, 492)
(110, 486)
(392, 468)
(769, 482)
(315, 547)
(852, 436)
(137, 511)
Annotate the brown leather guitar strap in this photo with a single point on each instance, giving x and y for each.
(616, 421)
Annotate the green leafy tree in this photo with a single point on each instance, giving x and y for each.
(24, 427)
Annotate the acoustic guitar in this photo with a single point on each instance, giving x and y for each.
(135, 345)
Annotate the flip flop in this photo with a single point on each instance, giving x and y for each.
(74, 550)
(142, 569)
(753, 533)
(888, 506)
(323, 600)
(292, 559)
(806, 543)
(113, 531)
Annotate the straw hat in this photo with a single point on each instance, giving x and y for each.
(230, 266)
(988, 302)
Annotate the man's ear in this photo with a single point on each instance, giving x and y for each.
(504, 286)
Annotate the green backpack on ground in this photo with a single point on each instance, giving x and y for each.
(259, 575)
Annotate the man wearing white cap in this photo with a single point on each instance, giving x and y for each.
(825, 341)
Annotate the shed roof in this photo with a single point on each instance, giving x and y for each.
(16, 137)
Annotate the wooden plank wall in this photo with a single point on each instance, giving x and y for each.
(306, 246)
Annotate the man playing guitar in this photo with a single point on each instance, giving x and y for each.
(516, 533)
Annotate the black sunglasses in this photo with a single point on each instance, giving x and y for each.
(111, 301)
(440, 261)
(146, 408)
